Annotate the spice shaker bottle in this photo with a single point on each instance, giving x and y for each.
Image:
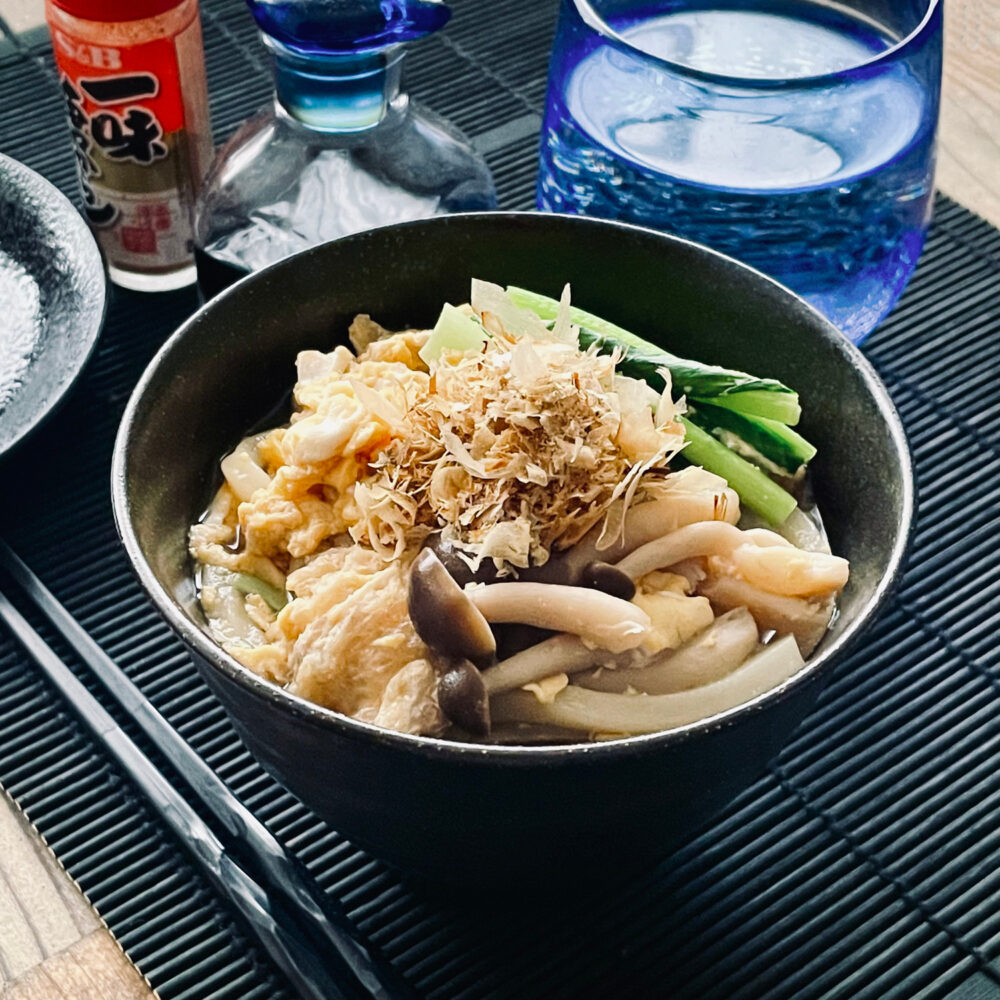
(133, 78)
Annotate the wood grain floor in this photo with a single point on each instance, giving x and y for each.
(969, 162)
(52, 944)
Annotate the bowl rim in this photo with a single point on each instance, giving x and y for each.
(205, 648)
(80, 245)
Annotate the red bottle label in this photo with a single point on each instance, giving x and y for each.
(126, 112)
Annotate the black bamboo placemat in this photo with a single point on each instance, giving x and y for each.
(865, 863)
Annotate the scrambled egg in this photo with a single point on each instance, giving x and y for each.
(676, 617)
(522, 450)
(347, 642)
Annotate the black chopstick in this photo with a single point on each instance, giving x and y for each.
(309, 936)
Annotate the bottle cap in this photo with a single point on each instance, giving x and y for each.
(115, 10)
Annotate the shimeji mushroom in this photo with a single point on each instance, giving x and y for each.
(704, 538)
(560, 654)
(762, 557)
(444, 616)
(458, 636)
(604, 712)
(595, 574)
(454, 621)
(707, 657)
(643, 523)
(713, 653)
(455, 625)
(461, 572)
(462, 695)
(596, 617)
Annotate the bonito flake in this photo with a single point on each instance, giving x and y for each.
(513, 450)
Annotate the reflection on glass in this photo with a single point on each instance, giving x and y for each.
(341, 149)
(796, 136)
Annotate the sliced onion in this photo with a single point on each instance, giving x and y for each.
(565, 654)
(487, 298)
(600, 711)
(789, 571)
(803, 528)
(220, 507)
(225, 608)
(243, 474)
(635, 395)
(806, 620)
(563, 331)
(711, 654)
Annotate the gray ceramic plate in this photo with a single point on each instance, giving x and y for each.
(52, 296)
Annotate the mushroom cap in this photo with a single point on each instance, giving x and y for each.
(462, 695)
(456, 566)
(444, 616)
(610, 579)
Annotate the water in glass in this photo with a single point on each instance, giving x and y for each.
(801, 160)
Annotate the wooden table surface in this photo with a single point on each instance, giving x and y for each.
(969, 148)
(52, 945)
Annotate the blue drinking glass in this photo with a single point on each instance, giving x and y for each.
(797, 136)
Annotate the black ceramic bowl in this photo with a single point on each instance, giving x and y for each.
(467, 812)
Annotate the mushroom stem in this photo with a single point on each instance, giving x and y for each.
(562, 654)
(763, 558)
(710, 655)
(598, 618)
(704, 538)
(643, 523)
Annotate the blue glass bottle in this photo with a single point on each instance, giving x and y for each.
(341, 149)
